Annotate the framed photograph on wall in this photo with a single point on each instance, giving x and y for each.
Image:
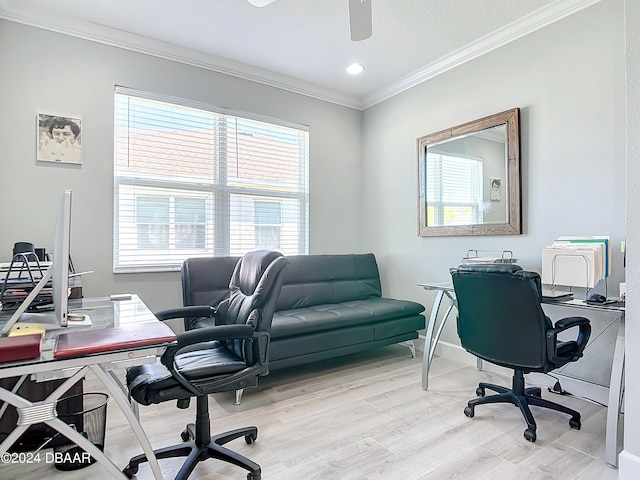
(496, 189)
(59, 139)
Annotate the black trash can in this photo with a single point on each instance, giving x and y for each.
(86, 413)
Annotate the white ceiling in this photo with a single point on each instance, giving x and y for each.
(303, 45)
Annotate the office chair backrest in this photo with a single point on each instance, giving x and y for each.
(500, 318)
(254, 289)
(205, 281)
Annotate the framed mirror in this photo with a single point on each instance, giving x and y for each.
(469, 178)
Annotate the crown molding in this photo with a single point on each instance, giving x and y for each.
(137, 43)
(156, 48)
(507, 34)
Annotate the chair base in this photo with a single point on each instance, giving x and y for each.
(521, 397)
(197, 453)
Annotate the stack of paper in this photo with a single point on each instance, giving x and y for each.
(602, 239)
(577, 261)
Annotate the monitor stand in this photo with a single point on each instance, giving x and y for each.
(42, 322)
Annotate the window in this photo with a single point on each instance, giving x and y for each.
(454, 189)
(192, 180)
(267, 223)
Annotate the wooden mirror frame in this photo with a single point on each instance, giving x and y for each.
(513, 225)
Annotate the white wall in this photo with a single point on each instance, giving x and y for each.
(42, 71)
(630, 457)
(568, 80)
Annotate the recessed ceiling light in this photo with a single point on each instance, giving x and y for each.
(261, 3)
(355, 69)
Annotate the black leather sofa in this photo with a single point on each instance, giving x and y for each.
(329, 305)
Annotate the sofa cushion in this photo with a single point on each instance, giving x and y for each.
(309, 347)
(327, 340)
(336, 316)
(328, 279)
(398, 327)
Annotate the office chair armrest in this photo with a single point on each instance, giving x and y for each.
(584, 332)
(261, 341)
(208, 334)
(565, 323)
(200, 335)
(180, 312)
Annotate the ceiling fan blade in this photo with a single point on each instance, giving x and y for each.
(360, 19)
(261, 3)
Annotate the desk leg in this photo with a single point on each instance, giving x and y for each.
(86, 445)
(17, 401)
(133, 405)
(46, 408)
(432, 350)
(45, 412)
(431, 341)
(15, 389)
(614, 403)
(120, 397)
(426, 357)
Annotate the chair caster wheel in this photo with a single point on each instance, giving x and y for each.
(480, 391)
(575, 423)
(469, 411)
(250, 439)
(184, 435)
(254, 476)
(130, 471)
(530, 435)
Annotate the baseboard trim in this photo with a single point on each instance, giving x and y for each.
(628, 466)
(454, 352)
(459, 354)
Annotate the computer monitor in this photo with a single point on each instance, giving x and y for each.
(58, 273)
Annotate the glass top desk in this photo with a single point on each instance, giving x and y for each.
(599, 354)
(609, 390)
(123, 333)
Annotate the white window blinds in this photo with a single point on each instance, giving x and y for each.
(191, 180)
(454, 190)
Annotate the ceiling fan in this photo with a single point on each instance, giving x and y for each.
(359, 17)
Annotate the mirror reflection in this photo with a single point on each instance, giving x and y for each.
(465, 179)
(470, 178)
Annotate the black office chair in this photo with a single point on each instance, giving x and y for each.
(229, 356)
(500, 320)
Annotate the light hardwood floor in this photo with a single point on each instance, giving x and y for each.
(366, 417)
